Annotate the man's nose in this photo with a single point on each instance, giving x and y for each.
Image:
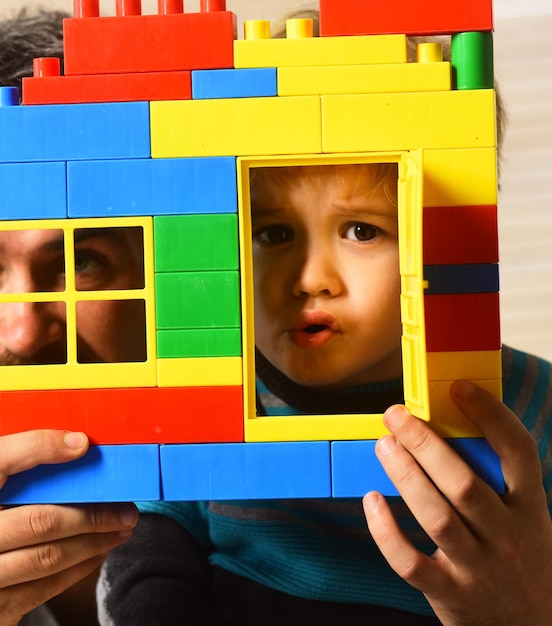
(26, 328)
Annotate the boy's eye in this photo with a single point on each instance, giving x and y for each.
(361, 232)
(274, 234)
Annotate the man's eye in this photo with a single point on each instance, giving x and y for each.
(361, 232)
(83, 262)
(274, 234)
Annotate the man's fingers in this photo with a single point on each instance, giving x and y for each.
(22, 451)
(506, 435)
(18, 600)
(44, 560)
(38, 524)
(418, 569)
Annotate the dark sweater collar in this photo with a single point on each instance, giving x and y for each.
(373, 398)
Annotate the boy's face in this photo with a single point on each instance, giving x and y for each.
(107, 331)
(326, 276)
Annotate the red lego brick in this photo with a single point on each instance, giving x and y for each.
(462, 322)
(460, 235)
(149, 43)
(415, 17)
(129, 416)
(108, 88)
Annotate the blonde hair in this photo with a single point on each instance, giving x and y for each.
(367, 177)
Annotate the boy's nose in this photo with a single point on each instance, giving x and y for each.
(29, 328)
(318, 276)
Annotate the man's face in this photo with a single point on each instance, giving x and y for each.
(33, 261)
(326, 277)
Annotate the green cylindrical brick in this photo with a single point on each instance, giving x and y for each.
(472, 60)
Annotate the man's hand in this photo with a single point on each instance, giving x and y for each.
(44, 549)
(493, 564)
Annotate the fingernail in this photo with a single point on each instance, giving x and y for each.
(128, 516)
(395, 416)
(387, 445)
(75, 441)
(371, 501)
(464, 388)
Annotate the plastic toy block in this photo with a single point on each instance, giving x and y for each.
(224, 371)
(108, 88)
(74, 374)
(313, 427)
(462, 234)
(197, 299)
(60, 132)
(33, 191)
(236, 126)
(151, 187)
(196, 242)
(383, 122)
(104, 474)
(130, 415)
(234, 83)
(477, 278)
(472, 365)
(416, 17)
(462, 322)
(9, 96)
(199, 343)
(149, 43)
(313, 51)
(388, 78)
(356, 469)
(472, 60)
(246, 471)
(451, 421)
(460, 177)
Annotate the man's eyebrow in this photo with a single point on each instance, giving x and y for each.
(115, 234)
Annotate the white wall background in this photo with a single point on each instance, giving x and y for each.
(523, 63)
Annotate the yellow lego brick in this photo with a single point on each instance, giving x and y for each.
(313, 51)
(72, 374)
(460, 177)
(328, 427)
(199, 372)
(359, 79)
(236, 126)
(475, 365)
(447, 419)
(406, 121)
(314, 427)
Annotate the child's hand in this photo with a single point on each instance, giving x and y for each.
(493, 564)
(45, 549)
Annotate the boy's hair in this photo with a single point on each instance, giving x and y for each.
(27, 36)
(367, 176)
(313, 14)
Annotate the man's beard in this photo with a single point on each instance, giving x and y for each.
(51, 355)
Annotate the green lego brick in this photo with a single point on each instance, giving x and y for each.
(198, 343)
(197, 300)
(195, 242)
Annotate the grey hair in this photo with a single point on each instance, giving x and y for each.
(25, 36)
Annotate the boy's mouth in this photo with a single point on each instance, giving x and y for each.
(313, 329)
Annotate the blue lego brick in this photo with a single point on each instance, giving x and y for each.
(234, 83)
(482, 458)
(450, 279)
(356, 469)
(246, 471)
(119, 473)
(33, 191)
(62, 132)
(152, 187)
